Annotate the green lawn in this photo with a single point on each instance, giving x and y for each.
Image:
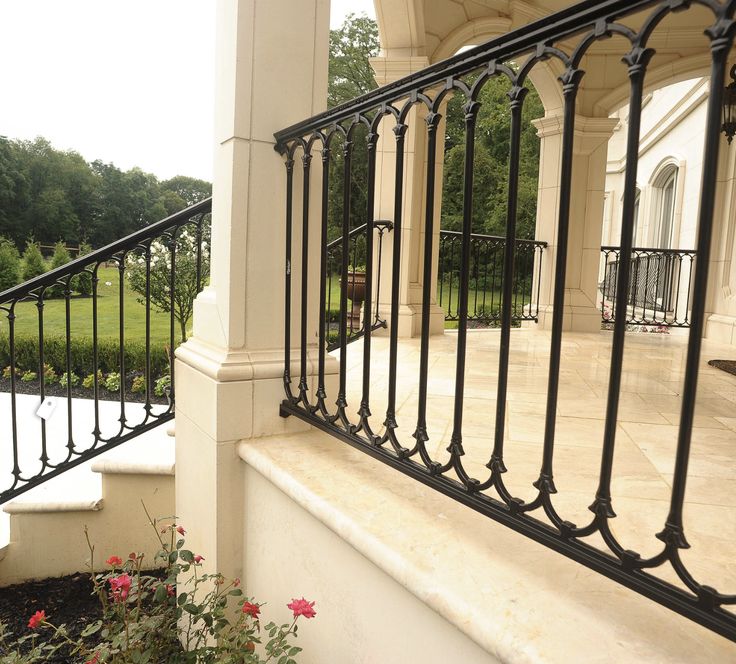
(54, 316)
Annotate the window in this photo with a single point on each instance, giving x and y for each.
(664, 220)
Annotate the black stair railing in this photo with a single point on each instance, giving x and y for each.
(358, 316)
(486, 278)
(660, 282)
(565, 38)
(74, 385)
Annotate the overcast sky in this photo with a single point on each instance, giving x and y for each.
(125, 81)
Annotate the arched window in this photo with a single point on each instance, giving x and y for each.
(637, 200)
(665, 187)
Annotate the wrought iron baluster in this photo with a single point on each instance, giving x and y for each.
(364, 412)
(346, 192)
(420, 433)
(323, 269)
(390, 422)
(456, 440)
(303, 387)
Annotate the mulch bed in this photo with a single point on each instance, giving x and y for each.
(79, 392)
(67, 600)
(729, 366)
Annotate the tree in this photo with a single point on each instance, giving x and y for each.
(82, 283)
(9, 264)
(60, 257)
(350, 72)
(350, 75)
(185, 280)
(33, 263)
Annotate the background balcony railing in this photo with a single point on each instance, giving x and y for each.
(355, 284)
(76, 340)
(660, 282)
(382, 118)
(486, 278)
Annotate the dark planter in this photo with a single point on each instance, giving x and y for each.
(356, 294)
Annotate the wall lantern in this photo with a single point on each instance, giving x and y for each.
(729, 107)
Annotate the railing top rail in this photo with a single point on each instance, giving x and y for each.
(557, 26)
(497, 238)
(128, 242)
(653, 250)
(379, 223)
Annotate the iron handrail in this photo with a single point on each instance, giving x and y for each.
(108, 251)
(562, 24)
(498, 238)
(379, 223)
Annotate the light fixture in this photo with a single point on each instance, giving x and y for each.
(729, 107)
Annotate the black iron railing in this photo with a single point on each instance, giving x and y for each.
(94, 342)
(356, 257)
(659, 286)
(486, 278)
(564, 38)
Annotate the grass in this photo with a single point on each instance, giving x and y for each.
(54, 315)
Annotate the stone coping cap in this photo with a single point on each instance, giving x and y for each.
(521, 602)
(49, 506)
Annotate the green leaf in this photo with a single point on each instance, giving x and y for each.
(160, 594)
(192, 608)
(182, 598)
(186, 555)
(294, 651)
(172, 557)
(91, 629)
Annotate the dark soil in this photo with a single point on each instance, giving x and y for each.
(67, 600)
(79, 392)
(729, 366)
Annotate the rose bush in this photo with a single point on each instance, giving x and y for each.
(186, 617)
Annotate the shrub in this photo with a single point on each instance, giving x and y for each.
(9, 264)
(49, 375)
(33, 263)
(187, 618)
(162, 385)
(112, 382)
(139, 385)
(89, 381)
(69, 379)
(82, 283)
(61, 257)
(108, 354)
(29, 376)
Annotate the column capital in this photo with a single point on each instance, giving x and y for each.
(388, 69)
(590, 133)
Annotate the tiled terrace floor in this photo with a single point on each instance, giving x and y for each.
(646, 434)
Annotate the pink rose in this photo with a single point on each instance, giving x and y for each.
(120, 586)
(301, 607)
(252, 610)
(236, 582)
(95, 659)
(36, 619)
(114, 561)
(170, 590)
(181, 531)
(198, 559)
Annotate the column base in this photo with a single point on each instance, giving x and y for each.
(576, 318)
(410, 320)
(721, 328)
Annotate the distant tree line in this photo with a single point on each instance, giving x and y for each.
(49, 195)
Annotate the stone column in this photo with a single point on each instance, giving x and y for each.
(582, 299)
(271, 72)
(388, 70)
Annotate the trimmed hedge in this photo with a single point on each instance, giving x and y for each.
(108, 355)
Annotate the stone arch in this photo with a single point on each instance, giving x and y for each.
(543, 75)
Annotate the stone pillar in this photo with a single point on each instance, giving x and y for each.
(582, 299)
(388, 70)
(271, 72)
